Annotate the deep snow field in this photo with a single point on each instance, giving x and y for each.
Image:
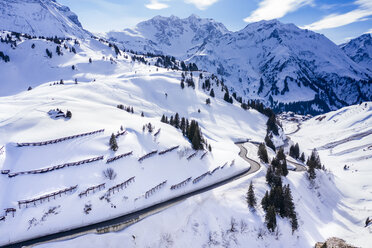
(102, 85)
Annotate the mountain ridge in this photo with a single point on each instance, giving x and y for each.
(40, 18)
(274, 62)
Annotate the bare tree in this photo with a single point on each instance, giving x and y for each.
(109, 173)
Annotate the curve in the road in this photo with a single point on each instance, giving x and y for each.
(140, 214)
(299, 167)
(297, 129)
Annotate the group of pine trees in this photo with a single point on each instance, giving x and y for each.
(227, 96)
(128, 109)
(190, 130)
(277, 168)
(188, 67)
(294, 152)
(188, 80)
(279, 199)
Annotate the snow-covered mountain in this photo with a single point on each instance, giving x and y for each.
(278, 63)
(169, 35)
(40, 18)
(97, 82)
(360, 50)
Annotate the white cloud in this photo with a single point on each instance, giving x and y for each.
(272, 9)
(202, 4)
(361, 13)
(156, 5)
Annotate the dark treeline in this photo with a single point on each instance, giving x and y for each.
(279, 199)
(190, 129)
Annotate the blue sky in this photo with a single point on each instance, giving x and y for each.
(339, 20)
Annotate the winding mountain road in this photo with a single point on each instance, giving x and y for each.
(126, 220)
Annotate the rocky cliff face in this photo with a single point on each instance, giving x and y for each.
(360, 50)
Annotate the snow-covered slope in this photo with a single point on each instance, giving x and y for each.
(102, 85)
(40, 18)
(268, 60)
(336, 204)
(360, 50)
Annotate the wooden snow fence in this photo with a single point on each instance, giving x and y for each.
(204, 154)
(47, 197)
(168, 150)
(181, 184)
(120, 134)
(154, 189)
(56, 167)
(5, 172)
(201, 177)
(10, 210)
(120, 186)
(214, 170)
(92, 189)
(43, 143)
(191, 156)
(224, 165)
(157, 133)
(119, 157)
(147, 155)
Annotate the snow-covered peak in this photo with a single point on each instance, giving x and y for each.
(360, 50)
(170, 35)
(268, 60)
(40, 18)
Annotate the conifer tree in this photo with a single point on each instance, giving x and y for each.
(183, 125)
(270, 218)
(262, 153)
(251, 198)
(313, 162)
(302, 158)
(68, 114)
(176, 121)
(289, 207)
(113, 144)
(269, 143)
(226, 97)
(271, 124)
(265, 202)
(182, 84)
(212, 93)
(294, 151)
(280, 157)
(270, 175)
(163, 119)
